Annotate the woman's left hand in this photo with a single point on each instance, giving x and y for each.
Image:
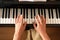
(20, 24)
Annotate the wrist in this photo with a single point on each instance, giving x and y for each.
(45, 36)
(17, 36)
(18, 33)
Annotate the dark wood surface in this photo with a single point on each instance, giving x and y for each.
(6, 33)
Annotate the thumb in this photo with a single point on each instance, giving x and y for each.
(25, 24)
(34, 24)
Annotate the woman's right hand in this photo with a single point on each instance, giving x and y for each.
(41, 24)
(41, 27)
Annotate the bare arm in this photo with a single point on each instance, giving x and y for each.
(41, 27)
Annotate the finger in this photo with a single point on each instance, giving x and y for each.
(43, 19)
(36, 20)
(17, 19)
(39, 19)
(34, 25)
(21, 19)
(25, 23)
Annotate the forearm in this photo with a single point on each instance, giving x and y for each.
(17, 36)
(45, 36)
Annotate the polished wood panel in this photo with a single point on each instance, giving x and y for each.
(6, 33)
(54, 33)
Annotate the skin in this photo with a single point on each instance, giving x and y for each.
(20, 26)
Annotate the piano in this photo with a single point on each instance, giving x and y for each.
(9, 9)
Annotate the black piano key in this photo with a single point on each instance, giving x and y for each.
(44, 13)
(3, 13)
(26, 12)
(31, 12)
(49, 13)
(59, 12)
(6, 13)
(52, 13)
(56, 13)
(16, 12)
(38, 11)
(34, 12)
(21, 11)
(9, 13)
(13, 12)
(41, 12)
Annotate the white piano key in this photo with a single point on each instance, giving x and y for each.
(43, 12)
(32, 15)
(8, 20)
(30, 21)
(11, 12)
(28, 16)
(58, 16)
(14, 21)
(40, 11)
(36, 11)
(11, 15)
(27, 21)
(47, 17)
(51, 17)
(11, 20)
(3, 20)
(54, 14)
(1, 10)
(4, 15)
(25, 15)
(0, 20)
(19, 11)
(59, 20)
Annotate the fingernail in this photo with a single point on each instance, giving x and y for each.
(38, 16)
(21, 15)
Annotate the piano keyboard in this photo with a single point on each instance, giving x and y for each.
(7, 15)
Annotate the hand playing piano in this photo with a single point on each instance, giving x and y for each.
(41, 24)
(19, 27)
(20, 24)
(41, 27)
